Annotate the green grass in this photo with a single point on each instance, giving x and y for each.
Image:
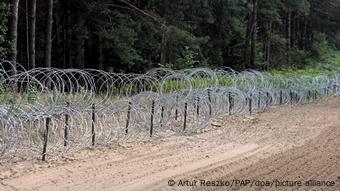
(329, 67)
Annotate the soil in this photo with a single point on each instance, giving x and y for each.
(283, 145)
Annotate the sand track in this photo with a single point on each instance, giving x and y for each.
(319, 159)
(284, 143)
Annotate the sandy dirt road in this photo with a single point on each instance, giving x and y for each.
(284, 143)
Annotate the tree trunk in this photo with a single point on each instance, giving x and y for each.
(289, 37)
(248, 42)
(48, 33)
(27, 34)
(163, 50)
(32, 29)
(304, 33)
(251, 36)
(80, 42)
(254, 35)
(101, 55)
(13, 32)
(298, 31)
(268, 45)
(69, 37)
(80, 53)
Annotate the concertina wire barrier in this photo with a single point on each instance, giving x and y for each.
(53, 111)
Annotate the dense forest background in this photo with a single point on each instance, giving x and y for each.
(136, 35)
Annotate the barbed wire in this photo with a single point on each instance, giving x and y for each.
(86, 107)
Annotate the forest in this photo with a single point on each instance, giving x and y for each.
(138, 35)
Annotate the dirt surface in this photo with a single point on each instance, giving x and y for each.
(298, 143)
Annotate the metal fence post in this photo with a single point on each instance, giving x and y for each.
(152, 113)
(128, 119)
(47, 127)
(185, 116)
(93, 124)
(66, 125)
